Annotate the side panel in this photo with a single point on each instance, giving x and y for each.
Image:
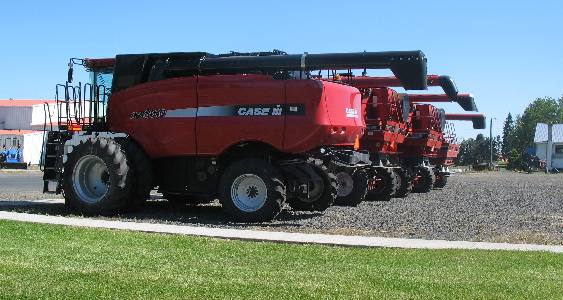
(235, 108)
(332, 115)
(159, 115)
(311, 129)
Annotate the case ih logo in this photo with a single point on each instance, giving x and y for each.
(351, 113)
(276, 110)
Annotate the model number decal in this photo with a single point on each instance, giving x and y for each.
(148, 114)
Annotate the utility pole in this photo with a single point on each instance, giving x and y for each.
(491, 144)
(549, 147)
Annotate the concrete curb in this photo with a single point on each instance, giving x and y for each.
(273, 236)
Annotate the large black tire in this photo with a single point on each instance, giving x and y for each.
(97, 177)
(405, 182)
(324, 200)
(441, 181)
(387, 186)
(426, 179)
(359, 188)
(263, 181)
(143, 174)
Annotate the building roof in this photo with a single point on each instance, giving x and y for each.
(16, 102)
(17, 132)
(541, 133)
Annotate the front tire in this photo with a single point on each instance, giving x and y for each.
(251, 190)
(97, 177)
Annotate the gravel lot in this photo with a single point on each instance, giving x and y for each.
(496, 206)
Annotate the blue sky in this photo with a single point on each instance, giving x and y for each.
(506, 53)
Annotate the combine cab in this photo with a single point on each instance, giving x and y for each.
(255, 130)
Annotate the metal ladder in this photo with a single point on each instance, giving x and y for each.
(53, 161)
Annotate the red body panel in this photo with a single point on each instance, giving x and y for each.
(206, 115)
(158, 136)
(426, 136)
(333, 115)
(385, 124)
(217, 133)
(446, 155)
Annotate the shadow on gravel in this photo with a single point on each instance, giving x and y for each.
(159, 211)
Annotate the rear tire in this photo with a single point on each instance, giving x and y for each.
(386, 187)
(97, 177)
(354, 194)
(324, 200)
(251, 190)
(405, 182)
(426, 180)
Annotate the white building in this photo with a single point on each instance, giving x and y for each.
(21, 125)
(30, 142)
(550, 151)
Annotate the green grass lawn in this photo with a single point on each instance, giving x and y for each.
(51, 261)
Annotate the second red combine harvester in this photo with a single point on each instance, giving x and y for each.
(404, 138)
(430, 163)
(252, 129)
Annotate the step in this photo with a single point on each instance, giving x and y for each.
(52, 168)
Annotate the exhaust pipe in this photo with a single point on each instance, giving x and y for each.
(447, 84)
(409, 67)
(466, 101)
(479, 120)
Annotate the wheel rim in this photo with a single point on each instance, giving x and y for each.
(345, 184)
(90, 179)
(315, 193)
(377, 184)
(249, 192)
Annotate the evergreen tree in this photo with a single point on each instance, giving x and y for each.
(507, 135)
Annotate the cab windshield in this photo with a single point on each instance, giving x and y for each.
(102, 78)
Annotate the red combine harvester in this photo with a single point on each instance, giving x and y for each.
(439, 136)
(388, 119)
(424, 140)
(253, 129)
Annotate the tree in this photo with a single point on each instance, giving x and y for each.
(464, 157)
(542, 110)
(507, 135)
(475, 151)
